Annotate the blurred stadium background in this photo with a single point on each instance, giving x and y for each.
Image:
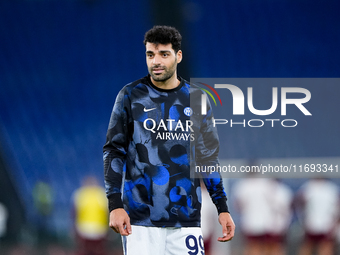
(63, 62)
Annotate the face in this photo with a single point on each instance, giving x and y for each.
(162, 61)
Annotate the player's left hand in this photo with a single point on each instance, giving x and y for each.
(228, 227)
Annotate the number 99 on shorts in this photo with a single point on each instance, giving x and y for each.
(195, 246)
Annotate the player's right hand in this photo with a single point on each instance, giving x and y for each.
(120, 222)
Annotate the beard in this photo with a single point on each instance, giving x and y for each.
(166, 74)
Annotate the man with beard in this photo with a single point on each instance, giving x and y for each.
(153, 138)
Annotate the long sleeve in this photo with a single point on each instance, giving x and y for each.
(207, 148)
(115, 149)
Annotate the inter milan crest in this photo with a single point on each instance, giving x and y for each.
(188, 111)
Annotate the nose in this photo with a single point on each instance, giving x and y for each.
(156, 60)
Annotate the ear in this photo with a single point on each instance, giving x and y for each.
(179, 56)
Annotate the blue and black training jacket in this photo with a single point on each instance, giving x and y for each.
(154, 138)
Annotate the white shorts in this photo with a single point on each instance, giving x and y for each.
(163, 241)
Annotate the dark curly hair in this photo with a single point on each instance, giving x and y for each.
(164, 35)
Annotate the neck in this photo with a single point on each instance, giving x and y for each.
(170, 83)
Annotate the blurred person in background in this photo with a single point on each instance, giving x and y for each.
(3, 221)
(265, 207)
(318, 206)
(282, 198)
(43, 199)
(91, 218)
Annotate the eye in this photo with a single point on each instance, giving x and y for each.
(165, 55)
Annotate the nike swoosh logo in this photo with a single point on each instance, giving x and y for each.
(147, 110)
